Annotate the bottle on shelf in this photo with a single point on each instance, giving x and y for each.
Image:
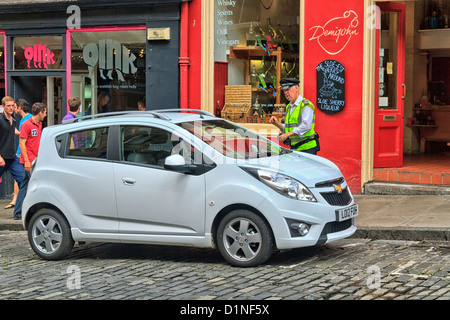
(260, 35)
(218, 109)
(251, 36)
(292, 38)
(254, 79)
(270, 34)
(282, 40)
(434, 21)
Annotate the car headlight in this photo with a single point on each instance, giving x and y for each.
(285, 185)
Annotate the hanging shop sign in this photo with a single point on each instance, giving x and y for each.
(330, 86)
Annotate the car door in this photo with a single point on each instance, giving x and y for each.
(150, 199)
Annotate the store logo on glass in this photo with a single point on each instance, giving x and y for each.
(40, 55)
(110, 55)
(336, 33)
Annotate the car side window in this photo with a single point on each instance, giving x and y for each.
(148, 145)
(89, 143)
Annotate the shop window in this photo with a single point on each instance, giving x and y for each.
(108, 69)
(38, 53)
(258, 40)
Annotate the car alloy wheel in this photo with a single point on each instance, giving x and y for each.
(244, 239)
(49, 235)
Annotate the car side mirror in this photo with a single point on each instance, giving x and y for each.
(177, 163)
(174, 161)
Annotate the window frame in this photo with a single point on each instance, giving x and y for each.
(118, 153)
(63, 144)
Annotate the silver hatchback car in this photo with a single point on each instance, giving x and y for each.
(173, 177)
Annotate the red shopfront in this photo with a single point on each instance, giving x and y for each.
(325, 50)
(333, 49)
(366, 65)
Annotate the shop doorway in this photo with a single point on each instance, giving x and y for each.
(429, 164)
(46, 89)
(390, 86)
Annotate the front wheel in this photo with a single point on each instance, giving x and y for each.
(244, 239)
(49, 235)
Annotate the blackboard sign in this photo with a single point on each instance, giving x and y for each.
(330, 86)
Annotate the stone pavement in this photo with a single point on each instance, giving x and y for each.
(389, 217)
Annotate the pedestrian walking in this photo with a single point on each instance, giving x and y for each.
(8, 131)
(74, 108)
(30, 137)
(21, 109)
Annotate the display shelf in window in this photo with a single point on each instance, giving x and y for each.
(277, 56)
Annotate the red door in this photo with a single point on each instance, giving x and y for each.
(390, 86)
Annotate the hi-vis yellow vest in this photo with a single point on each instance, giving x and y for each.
(294, 120)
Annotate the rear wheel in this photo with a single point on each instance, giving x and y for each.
(49, 235)
(244, 239)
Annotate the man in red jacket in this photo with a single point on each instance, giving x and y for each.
(30, 137)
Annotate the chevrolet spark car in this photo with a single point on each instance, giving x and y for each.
(180, 178)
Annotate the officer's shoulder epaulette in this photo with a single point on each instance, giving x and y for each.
(306, 101)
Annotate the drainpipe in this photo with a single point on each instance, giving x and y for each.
(183, 60)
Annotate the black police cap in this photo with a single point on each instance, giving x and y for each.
(286, 83)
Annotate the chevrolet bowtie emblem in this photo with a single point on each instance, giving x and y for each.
(338, 188)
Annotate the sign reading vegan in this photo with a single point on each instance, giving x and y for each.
(330, 86)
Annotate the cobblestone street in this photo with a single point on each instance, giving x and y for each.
(352, 269)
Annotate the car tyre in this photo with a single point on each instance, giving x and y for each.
(49, 235)
(244, 239)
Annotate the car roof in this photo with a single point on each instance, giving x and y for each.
(170, 115)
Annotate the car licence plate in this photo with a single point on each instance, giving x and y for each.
(347, 213)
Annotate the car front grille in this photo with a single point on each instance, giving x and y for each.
(333, 227)
(337, 199)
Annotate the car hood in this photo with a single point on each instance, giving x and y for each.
(306, 168)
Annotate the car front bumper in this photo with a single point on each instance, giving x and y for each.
(321, 218)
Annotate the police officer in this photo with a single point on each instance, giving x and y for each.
(298, 129)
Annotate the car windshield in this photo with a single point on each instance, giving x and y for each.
(233, 141)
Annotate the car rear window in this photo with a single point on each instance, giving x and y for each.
(89, 143)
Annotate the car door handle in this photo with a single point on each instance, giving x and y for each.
(128, 181)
